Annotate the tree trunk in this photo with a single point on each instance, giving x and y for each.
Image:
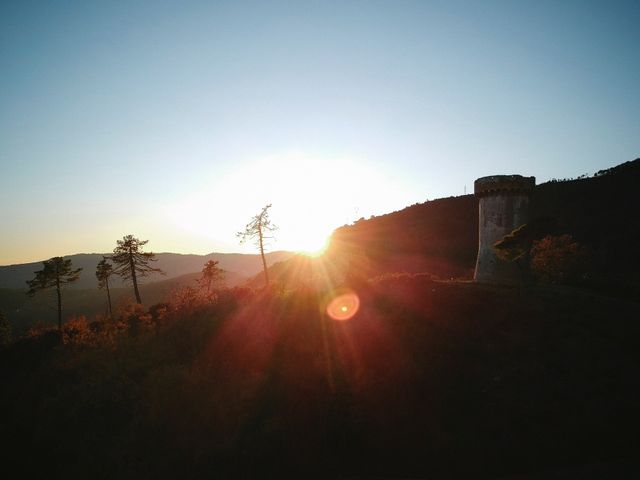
(264, 261)
(109, 297)
(133, 277)
(59, 305)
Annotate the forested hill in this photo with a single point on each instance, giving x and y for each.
(601, 212)
(441, 236)
(174, 264)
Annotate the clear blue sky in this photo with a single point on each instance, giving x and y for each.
(176, 121)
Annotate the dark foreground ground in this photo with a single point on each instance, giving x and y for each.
(428, 380)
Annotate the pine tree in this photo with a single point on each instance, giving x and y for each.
(56, 273)
(131, 262)
(211, 275)
(104, 270)
(257, 229)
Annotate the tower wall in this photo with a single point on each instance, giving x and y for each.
(503, 207)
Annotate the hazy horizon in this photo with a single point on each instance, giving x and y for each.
(154, 252)
(177, 122)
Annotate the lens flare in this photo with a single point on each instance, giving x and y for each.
(343, 306)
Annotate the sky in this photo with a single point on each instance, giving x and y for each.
(177, 121)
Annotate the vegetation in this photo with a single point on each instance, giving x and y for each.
(429, 379)
(104, 271)
(515, 246)
(131, 262)
(212, 276)
(559, 259)
(258, 230)
(56, 273)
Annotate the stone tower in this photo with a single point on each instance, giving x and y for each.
(503, 207)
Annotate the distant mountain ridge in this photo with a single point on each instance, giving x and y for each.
(174, 264)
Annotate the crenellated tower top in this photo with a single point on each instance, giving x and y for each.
(504, 184)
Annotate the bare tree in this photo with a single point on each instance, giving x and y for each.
(131, 262)
(104, 270)
(56, 273)
(258, 230)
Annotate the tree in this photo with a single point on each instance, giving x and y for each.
(104, 270)
(514, 247)
(56, 272)
(211, 274)
(131, 262)
(257, 230)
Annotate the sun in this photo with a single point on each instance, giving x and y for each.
(312, 246)
(312, 195)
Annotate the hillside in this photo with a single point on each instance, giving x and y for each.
(441, 236)
(601, 213)
(429, 380)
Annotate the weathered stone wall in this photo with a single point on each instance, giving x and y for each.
(503, 207)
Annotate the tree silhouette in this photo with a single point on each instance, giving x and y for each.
(56, 272)
(257, 230)
(131, 262)
(104, 270)
(211, 275)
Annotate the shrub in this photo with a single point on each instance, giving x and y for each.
(76, 331)
(559, 259)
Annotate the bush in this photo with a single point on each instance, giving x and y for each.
(559, 259)
(76, 331)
